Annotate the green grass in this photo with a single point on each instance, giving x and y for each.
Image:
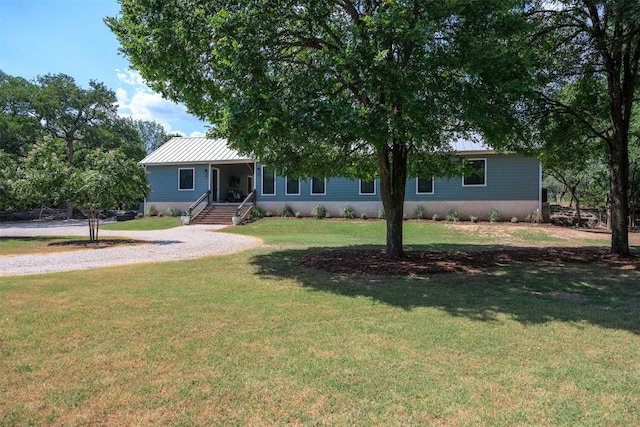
(144, 224)
(255, 339)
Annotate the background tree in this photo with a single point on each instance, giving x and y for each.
(568, 153)
(152, 133)
(593, 40)
(359, 89)
(68, 111)
(8, 170)
(83, 118)
(42, 176)
(19, 128)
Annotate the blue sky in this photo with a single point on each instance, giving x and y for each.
(40, 37)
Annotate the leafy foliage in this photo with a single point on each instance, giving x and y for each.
(42, 177)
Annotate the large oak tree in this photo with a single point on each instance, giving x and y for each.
(588, 42)
(365, 88)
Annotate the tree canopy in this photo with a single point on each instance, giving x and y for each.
(85, 118)
(339, 88)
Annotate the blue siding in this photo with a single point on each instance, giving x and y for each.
(508, 177)
(164, 184)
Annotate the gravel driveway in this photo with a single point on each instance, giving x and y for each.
(184, 242)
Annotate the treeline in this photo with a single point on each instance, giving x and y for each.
(64, 145)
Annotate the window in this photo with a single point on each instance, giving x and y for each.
(318, 185)
(293, 186)
(424, 186)
(477, 173)
(186, 179)
(268, 182)
(367, 187)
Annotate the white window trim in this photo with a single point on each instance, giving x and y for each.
(286, 187)
(275, 183)
(193, 179)
(367, 194)
(433, 188)
(484, 176)
(324, 193)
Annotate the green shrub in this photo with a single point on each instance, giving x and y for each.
(514, 219)
(319, 212)
(534, 217)
(298, 214)
(473, 218)
(420, 213)
(173, 212)
(381, 214)
(453, 216)
(268, 214)
(255, 213)
(152, 211)
(363, 215)
(347, 212)
(286, 212)
(436, 217)
(494, 216)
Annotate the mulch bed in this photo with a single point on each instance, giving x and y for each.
(100, 243)
(420, 263)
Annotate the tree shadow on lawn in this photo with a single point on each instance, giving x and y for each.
(532, 286)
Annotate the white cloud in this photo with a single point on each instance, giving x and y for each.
(136, 100)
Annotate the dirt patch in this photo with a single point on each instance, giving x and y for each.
(420, 263)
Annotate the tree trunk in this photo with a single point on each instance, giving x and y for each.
(619, 204)
(393, 180)
(94, 223)
(69, 140)
(574, 196)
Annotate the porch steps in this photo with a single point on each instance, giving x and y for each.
(217, 214)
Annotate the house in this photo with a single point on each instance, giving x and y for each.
(184, 171)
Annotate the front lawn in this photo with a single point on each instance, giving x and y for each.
(144, 224)
(255, 338)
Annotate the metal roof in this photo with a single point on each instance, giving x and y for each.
(181, 150)
(193, 150)
(474, 145)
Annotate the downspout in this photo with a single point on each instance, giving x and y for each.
(144, 201)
